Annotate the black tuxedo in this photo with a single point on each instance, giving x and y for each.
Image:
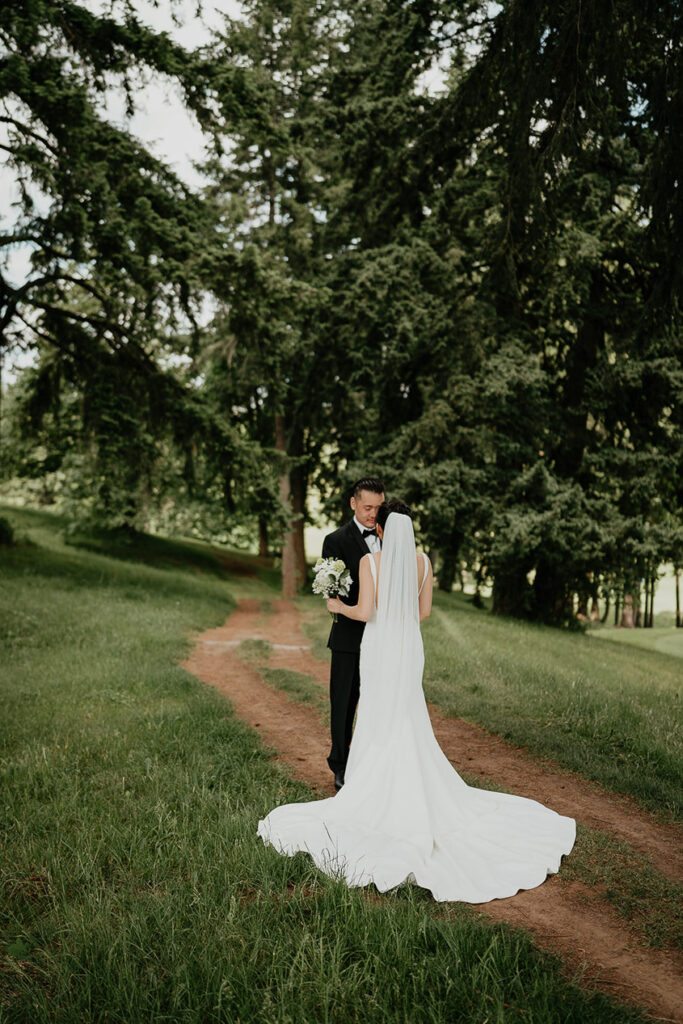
(346, 634)
(346, 543)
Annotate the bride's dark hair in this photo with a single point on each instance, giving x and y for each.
(393, 505)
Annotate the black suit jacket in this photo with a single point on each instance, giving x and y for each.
(348, 544)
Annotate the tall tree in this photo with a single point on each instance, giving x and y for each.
(536, 167)
(267, 345)
(114, 286)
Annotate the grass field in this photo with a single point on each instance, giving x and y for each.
(133, 885)
(610, 712)
(665, 639)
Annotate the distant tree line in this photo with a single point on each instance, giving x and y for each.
(439, 240)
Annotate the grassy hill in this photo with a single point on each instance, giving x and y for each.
(665, 639)
(134, 888)
(609, 711)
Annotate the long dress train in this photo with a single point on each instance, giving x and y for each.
(404, 813)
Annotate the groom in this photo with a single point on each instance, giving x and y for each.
(349, 543)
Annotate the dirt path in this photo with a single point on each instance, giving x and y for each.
(283, 724)
(587, 936)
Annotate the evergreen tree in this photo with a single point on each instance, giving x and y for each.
(268, 363)
(534, 171)
(474, 290)
(115, 285)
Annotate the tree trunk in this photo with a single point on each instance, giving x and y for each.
(511, 594)
(263, 537)
(617, 608)
(477, 599)
(447, 572)
(552, 598)
(582, 358)
(651, 614)
(288, 549)
(638, 609)
(677, 575)
(450, 568)
(643, 604)
(627, 614)
(603, 620)
(297, 481)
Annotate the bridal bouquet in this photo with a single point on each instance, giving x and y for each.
(332, 579)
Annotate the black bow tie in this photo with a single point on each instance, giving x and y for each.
(369, 533)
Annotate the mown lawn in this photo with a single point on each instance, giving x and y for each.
(133, 885)
(665, 639)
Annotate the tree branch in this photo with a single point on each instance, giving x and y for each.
(30, 131)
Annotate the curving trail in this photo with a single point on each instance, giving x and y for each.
(589, 936)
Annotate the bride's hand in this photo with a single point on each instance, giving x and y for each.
(334, 605)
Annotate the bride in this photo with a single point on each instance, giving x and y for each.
(404, 814)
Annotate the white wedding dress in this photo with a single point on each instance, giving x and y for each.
(404, 814)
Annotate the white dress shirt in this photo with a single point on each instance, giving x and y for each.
(372, 541)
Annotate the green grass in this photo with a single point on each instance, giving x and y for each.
(133, 885)
(665, 639)
(609, 712)
(611, 870)
(162, 552)
(297, 685)
(254, 651)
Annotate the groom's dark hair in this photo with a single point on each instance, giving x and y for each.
(393, 505)
(368, 483)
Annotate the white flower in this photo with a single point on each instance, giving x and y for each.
(332, 578)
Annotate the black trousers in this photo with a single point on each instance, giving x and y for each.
(344, 694)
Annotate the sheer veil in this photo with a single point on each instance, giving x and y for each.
(391, 657)
(397, 591)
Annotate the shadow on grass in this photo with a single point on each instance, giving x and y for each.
(160, 552)
(49, 530)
